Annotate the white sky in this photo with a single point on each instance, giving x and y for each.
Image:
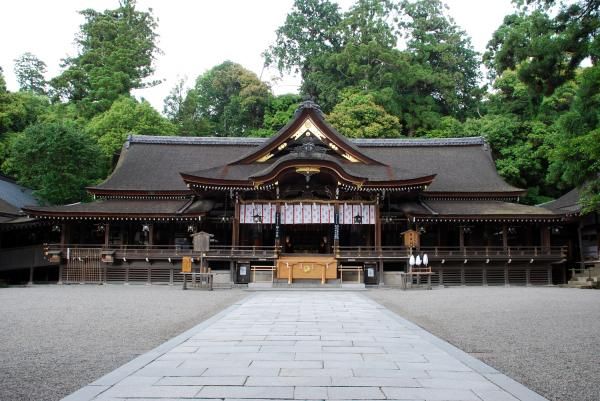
(194, 35)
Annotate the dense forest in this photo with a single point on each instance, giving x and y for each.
(383, 68)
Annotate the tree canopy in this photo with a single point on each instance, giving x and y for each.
(381, 68)
(117, 49)
(56, 159)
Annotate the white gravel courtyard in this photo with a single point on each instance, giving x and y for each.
(56, 339)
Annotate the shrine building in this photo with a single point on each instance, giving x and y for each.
(306, 205)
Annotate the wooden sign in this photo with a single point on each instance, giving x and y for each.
(411, 239)
(186, 264)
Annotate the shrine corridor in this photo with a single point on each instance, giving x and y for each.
(306, 345)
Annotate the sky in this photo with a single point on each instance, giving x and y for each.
(194, 35)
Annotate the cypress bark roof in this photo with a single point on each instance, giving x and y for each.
(153, 164)
(13, 197)
(167, 208)
(485, 208)
(567, 204)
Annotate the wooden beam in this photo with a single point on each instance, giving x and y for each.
(235, 229)
(106, 234)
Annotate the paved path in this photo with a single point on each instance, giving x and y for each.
(310, 346)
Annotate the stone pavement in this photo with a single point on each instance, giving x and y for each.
(310, 346)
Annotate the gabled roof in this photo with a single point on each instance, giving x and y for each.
(308, 121)
(154, 165)
(13, 197)
(307, 145)
(127, 209)
(567, 204)
(482, 210)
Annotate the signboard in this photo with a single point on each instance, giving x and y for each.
(411, 239)
(186, 264)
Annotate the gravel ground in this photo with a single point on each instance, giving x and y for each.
(56, 339)
(546, 338)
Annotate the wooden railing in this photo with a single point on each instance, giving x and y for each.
(345, 252)
(442, 252)
(172, 251)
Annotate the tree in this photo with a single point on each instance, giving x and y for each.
(445, 56)
(125, 117)
(280, 110)
(117, 49)
(20, 109)
(181, 108)
(310, 30)
(230, 98)
(56, 159)
(358, 116)
(575, 154)
(30, 72)
(2, 82)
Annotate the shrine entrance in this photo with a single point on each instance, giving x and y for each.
(307, 239)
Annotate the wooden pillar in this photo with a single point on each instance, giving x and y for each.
(377, 227)
(277, 228)
(461, 237)
(106, 234)
(63, 242)
(151, 234)
(580, 242)
(504, 236)
(31, 269)
(336, 228)
(545, 237)
(235, 228)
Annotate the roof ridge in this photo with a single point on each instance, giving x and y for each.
(375, 142)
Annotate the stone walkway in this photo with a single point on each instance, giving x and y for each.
(309, 346)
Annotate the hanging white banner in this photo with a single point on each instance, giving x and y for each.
(306, 213)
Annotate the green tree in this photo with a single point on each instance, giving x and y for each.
(30, 72)
(20, 109)
(117, 49)
(443, 58)
(181, 108)
(280, 110)
(358, 116)
(310, 29)
(230, 98)
(575, 154)
(2, 82)
(57, 160)
(125, 117)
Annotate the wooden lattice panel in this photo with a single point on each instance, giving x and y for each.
(451, 277)
(83, 266)
(495, 277)
(517, 276)
(116, 274)
(538, 277)
(160, 275)
(138, 275)
(473, 276)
